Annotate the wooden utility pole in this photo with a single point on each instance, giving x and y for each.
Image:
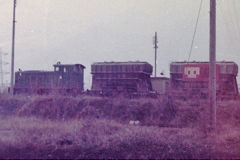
(212, 64)
(13, 43)
(155, 47)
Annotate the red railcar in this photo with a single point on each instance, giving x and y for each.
(191, 78)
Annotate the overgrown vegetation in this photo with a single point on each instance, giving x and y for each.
(95, 127)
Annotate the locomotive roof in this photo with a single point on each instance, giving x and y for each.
(69, 65)
(35, 71)
(121, 63)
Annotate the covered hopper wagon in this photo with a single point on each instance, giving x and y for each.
(121, 77)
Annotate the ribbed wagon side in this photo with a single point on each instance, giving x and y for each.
(121, 76)
(191, 78)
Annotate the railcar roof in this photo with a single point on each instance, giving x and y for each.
(199, 62)
(121, 63)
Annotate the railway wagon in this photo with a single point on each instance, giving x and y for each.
(191, 78)
(121, 77)
(66, 78)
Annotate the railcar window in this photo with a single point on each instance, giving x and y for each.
(64, 69)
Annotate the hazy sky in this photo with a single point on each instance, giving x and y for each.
(86, 31)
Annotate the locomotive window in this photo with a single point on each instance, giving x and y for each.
(57, 68)
(64, 69)
(75, 69)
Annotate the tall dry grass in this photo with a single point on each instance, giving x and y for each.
(96, 127)
(94, 138)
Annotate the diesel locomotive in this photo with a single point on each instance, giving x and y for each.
(66, 78)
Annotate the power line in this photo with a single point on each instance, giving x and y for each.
(195, 30)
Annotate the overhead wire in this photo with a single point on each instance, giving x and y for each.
(195, 30)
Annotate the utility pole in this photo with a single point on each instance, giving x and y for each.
(13, 43)
(212, 64)
(155, 41)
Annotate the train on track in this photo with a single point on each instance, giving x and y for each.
(65, 79)
(187, 79)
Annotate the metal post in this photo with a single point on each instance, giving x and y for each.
(155, 46)
(13, 41)
(212, 65)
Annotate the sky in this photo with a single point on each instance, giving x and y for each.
(88, 31)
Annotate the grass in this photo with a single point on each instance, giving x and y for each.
(94, 127)
(38, 138)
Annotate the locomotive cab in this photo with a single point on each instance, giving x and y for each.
(69, 76)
